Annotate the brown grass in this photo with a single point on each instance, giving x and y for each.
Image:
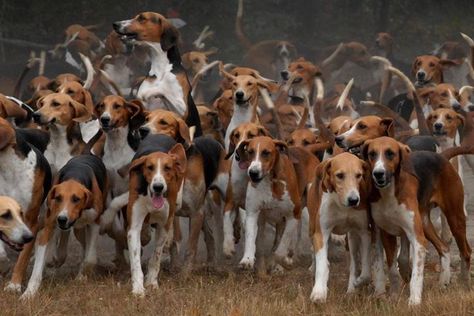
(232, 293)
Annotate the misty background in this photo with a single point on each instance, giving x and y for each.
(417, 26)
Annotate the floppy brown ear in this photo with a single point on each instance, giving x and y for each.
(98, 108)
(262, 131)
(183, 131)
(185, 60)
(7, 136)
(8, 108)
(281, 146)
(86, 96)
(81, 112)
(232, 145)
(388, 125)
(169, 35)
(90, 199)
(241, 150)
(413, 67)
(448, 63)
(461, 119)
(272, 87)
(179, 156)
(136, 165)
(225, 73)
(51, 195)
(135, 107)
(364, 150)
(322, 173)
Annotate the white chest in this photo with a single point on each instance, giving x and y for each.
(241, 115)
(143, 204)
(58, 151)
(17, 176)
(261, 198)
(390, 215)
(338, 218)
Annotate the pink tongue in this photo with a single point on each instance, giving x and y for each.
(243, 164)
(157, 201)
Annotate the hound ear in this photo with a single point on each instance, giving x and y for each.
(241, 152)
(225, 73)
(262, 131)
(7, 136)
(388, 125)
(89, 198)
(214, 119)
(232, 145)
(137, 118)
(86, 95)
(413, 66)
(136, 165)
(9, 108)
(51, 195)
(365, 149)
(179, 156)
(281, 146)
(461, 119)
(169, 36)
(98, 108)
(323, 174)
(81, 112)
(448, 63)
(183, 131)
(185, 60)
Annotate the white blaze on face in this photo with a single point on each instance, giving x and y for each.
(256, 164)
(158, 177)
(350, 131)
(379, 165)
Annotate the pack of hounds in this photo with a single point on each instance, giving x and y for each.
(150, 135)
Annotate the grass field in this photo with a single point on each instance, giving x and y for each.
(231, 292)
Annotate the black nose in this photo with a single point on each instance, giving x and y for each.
(27, 237)
(144, 131)
(339, 139)
(420, 75)
(116, 25)
(438, 126)
(239, 95)
(471, 108)
(353, 201)
(284, 74)
(158, 187)
(62, 221)
(456, 106)
(254, 175)
(378, 174)
(36, 117)
(104, 120)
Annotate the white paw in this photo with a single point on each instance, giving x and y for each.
(13, 287)
(27, 295)
(247, 263)
(229, 248)
(413, 301)
(152, 285)
(138, 291)
(318, 296)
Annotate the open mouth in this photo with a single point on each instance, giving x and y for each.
(157, 200)
(439, 133)
(380, 184)
(242, 102)
(13, 245)
(421, 83)
(127, 37)
(68, 225)
(107, 128)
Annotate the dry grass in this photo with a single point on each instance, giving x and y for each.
(231, 293)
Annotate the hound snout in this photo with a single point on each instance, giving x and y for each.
(144, 131)
(353, 199)
(340, 141)
(285, 75)
(158, 188)
(63, 222)
(438, 126)
(421, 75)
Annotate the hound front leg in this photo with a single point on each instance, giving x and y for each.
(364, 251)
(287, 239)
(44, 242)
(161, 237)
(251, 231)
(229, 242)
(134, 249)
(418, 263)
(90, 258)
(378, 265)
(321, 274)
(354, 246)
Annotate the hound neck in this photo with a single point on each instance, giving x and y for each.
(116, 137)
(160, 63)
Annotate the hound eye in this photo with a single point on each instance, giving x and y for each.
(291, 142)
(70, 91)
(58, 199)
(361, 126)
(249, 84)
(167, 168)
(435, 116)
(55, 104)
(359, 175)
(150, 167)
(372, 155)
(418, 64)
(340, 176)
(389, 154)
(449, 117)
(163, 122)
(432, 64)
(75, 199)
(265, 153)
(237, 135)
(299, 67)
(444, 95)
(251, 152)
(116, 106)
(306, 143)
(234, 84)
(195, 61)
(141, 18)
(7, 215)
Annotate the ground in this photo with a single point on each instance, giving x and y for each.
(231, 291)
